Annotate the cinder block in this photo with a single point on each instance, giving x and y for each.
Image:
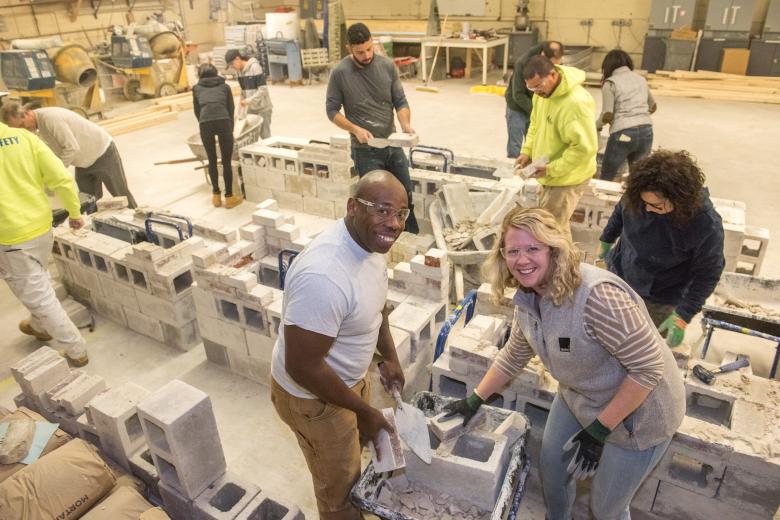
(142, 466)
(40, 371)
(116, 421)
(109, 308)
(205, 303)
(223, 332)
(87, 430)
(176, 505)
(751, 482)
(74, 391)
(181, 431)
(179, 312)
(145, 325)
(184, 338)
(259, 346)
(256, 193)
(225, 498)
(692, 464)
(419, 266)
(418, 323)
(301, 185)
(320, 207)
(119, 293)
(286, 200)
(77, 311)
(267, 218)
(216, 353)
(263, 507)
(250, 367)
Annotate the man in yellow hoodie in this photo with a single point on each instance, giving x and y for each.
(563, 130)
(27, 166)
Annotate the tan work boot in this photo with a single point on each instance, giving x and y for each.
(233, 201)
(28, 329)
(216, 199)
(77, 362)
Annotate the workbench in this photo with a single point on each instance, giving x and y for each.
(469, 45)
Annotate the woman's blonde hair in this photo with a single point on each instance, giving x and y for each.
(563, 274)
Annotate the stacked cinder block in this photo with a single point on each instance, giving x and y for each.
(50, 388)
(142, 286)
(302, 176)
(421, 288)
(180, 428)
(723, 458)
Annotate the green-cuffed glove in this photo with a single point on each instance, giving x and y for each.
(467, 407)
(604, 248)
(588, 444)
(674, 327)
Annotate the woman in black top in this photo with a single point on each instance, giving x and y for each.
(212, 100)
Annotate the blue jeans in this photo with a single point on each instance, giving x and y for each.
(620, 473)
(630, 144)
(516, 128)
(392, 159)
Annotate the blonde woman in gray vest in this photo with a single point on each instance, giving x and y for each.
(626, 107)
(621, 396)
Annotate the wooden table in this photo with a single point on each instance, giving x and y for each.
(469, 45)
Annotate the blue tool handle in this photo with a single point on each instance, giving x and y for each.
(734, 365)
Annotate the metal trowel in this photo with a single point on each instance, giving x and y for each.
(413, 428)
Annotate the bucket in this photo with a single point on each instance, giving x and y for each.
(73, 65)
(165, 44)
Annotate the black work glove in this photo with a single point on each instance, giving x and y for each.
(588, 444)
(467, 407)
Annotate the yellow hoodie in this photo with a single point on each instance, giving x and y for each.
(563, 128)
(26, 167)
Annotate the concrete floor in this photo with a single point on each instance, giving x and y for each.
(735, 144)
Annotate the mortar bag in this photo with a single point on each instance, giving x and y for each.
(62, 485)
(123, 503)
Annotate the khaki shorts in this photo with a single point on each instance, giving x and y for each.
(328, 437)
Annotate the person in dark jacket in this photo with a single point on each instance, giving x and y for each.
(671, 240)
(518, 97)
(212, 101)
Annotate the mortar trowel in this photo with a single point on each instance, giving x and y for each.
(412, 428)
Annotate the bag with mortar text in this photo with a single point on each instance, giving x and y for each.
(62, 485)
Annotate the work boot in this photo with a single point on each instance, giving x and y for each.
(28, 329)
(233, 201)
(216, 199)
(77, 362)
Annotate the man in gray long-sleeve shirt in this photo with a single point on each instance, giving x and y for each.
(78, 142)
(369, 89)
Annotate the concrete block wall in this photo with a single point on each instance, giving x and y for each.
(143, 286)
(300, 175)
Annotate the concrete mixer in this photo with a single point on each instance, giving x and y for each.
(152, 67)
(63, 76)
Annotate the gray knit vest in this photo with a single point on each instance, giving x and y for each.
(631, 107)
(588, 374)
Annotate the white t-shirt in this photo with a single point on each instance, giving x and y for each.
(338, 289)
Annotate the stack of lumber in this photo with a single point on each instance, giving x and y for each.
(183, 101)
(139, 119)
(715, 85)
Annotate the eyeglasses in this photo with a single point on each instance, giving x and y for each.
(385, 212)
(539, 87)
(513, 253)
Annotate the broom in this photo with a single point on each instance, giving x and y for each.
(425, 87)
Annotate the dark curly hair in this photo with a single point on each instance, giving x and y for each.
(673, 175)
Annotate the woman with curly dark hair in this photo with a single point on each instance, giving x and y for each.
(671, 240)
(626, 107)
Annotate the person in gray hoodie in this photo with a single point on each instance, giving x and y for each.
(212, 101)
(255, 97)
(620, 395)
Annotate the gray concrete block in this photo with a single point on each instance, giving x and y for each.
(40, 371)
(87, 430)
(250, 367)
(181, 431)
(688, 467)
(142, 466)
(116, 421)
(260, 346)
(675, 503)
(263, 507)
(225, 498)
(185, 337)
(216, 353)
(110, 308)
(223, 332)
(177, 312)
(145, 325)
(175, 504)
